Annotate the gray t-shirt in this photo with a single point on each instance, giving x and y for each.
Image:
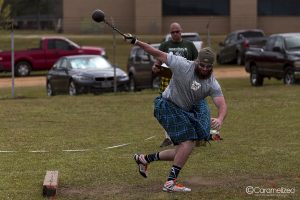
(186, 88)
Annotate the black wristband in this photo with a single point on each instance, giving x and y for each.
(133, 40)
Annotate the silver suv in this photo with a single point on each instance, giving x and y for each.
(139, 69)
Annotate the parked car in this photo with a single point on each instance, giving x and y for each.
(84, 73)
(191, 36)
(42, 58)
(233, 49)
(139, 69)
(279, 58)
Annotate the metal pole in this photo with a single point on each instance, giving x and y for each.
(12, 60)
(114, 57)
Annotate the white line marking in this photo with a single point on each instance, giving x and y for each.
(7, 151)
(39, 151)
(149, 138)
(75, 150)
(121, 145)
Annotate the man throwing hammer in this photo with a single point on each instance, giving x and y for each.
(179, 112)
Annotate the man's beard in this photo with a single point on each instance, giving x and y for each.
(204, 76)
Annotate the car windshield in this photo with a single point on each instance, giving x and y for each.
(72, 43)
(89, 63)
(252, 34)
(292, 42)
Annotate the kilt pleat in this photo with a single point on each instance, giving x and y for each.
(183, 125)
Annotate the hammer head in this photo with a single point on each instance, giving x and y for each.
(98, 16)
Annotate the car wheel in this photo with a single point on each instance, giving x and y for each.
(132, 86)
(239, 58)
(50, 91)
(289, 76)
(72, 89)
(23, 68)
(255, 78)
(156, 82)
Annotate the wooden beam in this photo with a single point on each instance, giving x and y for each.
(50, 183)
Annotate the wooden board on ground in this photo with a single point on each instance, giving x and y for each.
(50, 183)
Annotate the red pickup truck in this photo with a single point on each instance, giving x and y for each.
(42, 58)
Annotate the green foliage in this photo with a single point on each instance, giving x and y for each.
(5, 10)
(22, 7)
(260, 146)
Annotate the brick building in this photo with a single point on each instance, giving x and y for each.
(154, 16)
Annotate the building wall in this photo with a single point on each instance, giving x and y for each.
(77, 15)
(148, 16)
(215, 25)
(145, 17)
(243, 14)
(279, 24)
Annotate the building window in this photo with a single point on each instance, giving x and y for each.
(278, 7)
(195, 7)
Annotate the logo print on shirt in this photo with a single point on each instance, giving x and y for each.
(179, 51)
(195, 86)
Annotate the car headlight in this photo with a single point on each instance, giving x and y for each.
(123, 77)
(297, 63)
(82, 78)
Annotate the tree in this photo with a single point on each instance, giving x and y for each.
(35, 9)
(5, 11)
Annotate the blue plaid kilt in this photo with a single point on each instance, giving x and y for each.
(183, 125)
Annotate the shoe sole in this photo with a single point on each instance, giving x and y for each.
(136, 158)
(167, 190)
(170, 191)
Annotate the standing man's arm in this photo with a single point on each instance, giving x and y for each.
(155, 67)
(220, 103)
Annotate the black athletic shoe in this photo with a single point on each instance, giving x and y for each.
(166, 142)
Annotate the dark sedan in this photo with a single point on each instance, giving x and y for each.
(83, 74)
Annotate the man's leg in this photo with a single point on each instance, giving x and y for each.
(182, 153)
(179, 156)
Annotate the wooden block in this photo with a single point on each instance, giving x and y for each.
(50, 183)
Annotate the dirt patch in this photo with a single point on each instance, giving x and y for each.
(230, 72)
(107, 191)
(220, 72)
(197, 183)
(23, 82)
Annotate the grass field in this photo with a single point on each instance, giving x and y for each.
(260, 147)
